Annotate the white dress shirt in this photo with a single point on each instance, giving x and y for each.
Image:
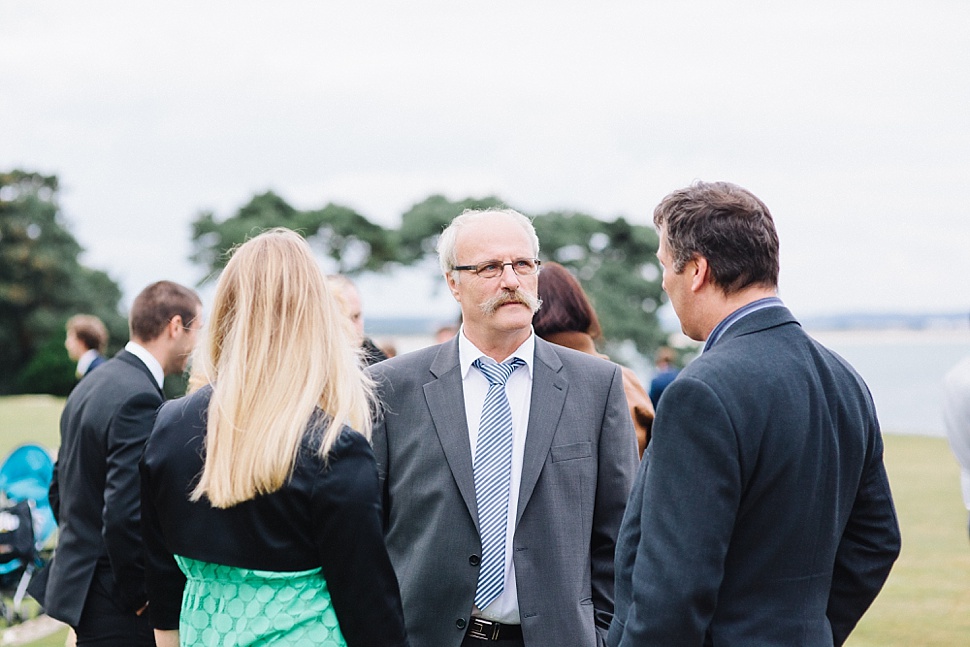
(84, 362)
(518, 388)
(149, 360)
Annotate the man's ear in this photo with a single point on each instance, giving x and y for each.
(701, 273)
(453, 285)
(174, 326)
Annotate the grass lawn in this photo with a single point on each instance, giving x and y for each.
(29, 419)
(926, 602)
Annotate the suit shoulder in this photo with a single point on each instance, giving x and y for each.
(403, 366)
(195, 404)
(578, 360)
(114, 381)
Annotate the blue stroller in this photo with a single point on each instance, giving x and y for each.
(27, 524)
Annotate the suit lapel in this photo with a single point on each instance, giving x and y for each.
(548, 398)
(446, 402)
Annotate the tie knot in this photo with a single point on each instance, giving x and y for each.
(495, 373)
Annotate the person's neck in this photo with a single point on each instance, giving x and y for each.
(498, 345)
(726, 304)
(158, 350)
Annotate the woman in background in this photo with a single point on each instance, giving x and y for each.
(567, 318)
(261, 508)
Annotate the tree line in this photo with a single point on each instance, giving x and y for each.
(43, 283)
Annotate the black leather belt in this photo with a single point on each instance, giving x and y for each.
(481, 629)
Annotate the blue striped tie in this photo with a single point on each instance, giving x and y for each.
(493, 465)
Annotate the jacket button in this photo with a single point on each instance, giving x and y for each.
(460, 623)
(474, 560)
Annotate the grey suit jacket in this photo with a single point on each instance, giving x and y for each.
(579, 463)
(95, 492)
(761, 514)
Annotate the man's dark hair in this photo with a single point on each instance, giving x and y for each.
(725, 224)
(158, 304)
(90, 331)
(565, 306)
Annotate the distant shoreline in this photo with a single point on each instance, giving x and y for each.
(891, 336)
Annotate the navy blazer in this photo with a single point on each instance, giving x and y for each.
(761, 514)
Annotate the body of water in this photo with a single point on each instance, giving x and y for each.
(904, 371)
(903, 368)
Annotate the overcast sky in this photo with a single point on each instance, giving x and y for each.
(851, 120)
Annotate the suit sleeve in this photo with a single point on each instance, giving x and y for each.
(617, 467)
(121, 514)
(867, 550)
(164, 581)
(346, 514)
(379, 445)
(690, 496)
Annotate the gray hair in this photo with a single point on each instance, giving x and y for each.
(449, 237)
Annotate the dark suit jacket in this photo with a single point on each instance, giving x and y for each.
(95, 490)
(762, 513)
(579, 462)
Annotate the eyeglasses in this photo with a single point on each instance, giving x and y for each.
(491, 269)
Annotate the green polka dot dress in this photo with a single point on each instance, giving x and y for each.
(224, 606)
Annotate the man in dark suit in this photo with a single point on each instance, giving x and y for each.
(86, 341)
(96, 579)
(522, 554)
(761, 514)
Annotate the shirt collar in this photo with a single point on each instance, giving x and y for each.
(737, 315)
(84, 362)
(468, 352)
(149, 360)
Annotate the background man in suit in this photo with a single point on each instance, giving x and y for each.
(523, 553)
(761, 514)
(96, 578)
(87, 339)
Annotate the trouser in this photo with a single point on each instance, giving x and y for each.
(105, 624)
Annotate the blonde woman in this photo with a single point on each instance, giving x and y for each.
(261, 508)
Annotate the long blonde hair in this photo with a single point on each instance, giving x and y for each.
(276, 349)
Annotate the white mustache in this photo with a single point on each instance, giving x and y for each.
(517, 296)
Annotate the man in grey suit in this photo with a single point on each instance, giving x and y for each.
(761, 514)
(522, 553)
(96, 580)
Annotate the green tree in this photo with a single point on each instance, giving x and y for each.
(42, 283)
(422, 224)
(614, 260)
(617, 265)
(342, 234)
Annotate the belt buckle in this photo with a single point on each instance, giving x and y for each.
(482, 629)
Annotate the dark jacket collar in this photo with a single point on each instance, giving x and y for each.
(129, 358)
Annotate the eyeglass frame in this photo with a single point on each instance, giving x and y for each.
(479, 267)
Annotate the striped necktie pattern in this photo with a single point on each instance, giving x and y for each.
(492, 470)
